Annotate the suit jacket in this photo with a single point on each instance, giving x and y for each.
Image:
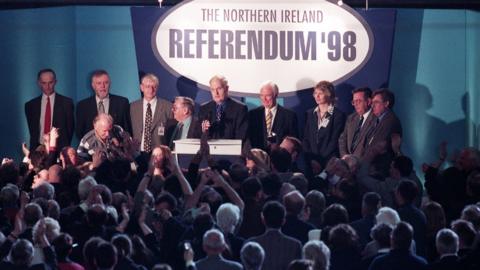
(233, 125)
(163, 112)
(218, 263)
(87, 111)
(62, 119)
(280, 250)
(172, 124)
(398, 260)
(322, 144)
(284, 124)
(346, 139)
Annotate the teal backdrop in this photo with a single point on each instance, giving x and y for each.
(434, 69)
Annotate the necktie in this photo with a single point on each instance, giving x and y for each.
(101, 108)
(356, 135)
(177, 134)
(48, 117)
(268, 122)
(219, 112)
(147, 131)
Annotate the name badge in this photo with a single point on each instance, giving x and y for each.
(161, 130)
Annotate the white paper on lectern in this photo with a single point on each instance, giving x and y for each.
(217, 147)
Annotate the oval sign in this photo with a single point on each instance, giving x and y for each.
(294, 43)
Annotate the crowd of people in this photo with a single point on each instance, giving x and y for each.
(339, 195)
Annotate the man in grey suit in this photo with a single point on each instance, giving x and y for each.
(352, 140)
(149, 115)
(214, 244)
(280, 250)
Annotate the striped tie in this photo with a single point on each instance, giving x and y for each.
(268, 122)
(147, 131)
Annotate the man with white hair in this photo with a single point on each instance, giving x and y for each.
(214, 245)
(228, 217)
(271, 122)
(252, 255)
(446, 242)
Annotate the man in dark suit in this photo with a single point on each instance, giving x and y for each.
(183, 125)
(223, 117)
(49, 110)
(214, 244)
(446, 242)
(352, 140)
(270, 123)
(380, 133)
(280, 249)
(102, 102)
(149, 115)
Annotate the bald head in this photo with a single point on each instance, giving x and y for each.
(103, 124)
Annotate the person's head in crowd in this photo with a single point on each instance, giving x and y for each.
(43, 205)
(362, 100)
(40, 178)
(252, 256)
(9, 195)
(324, 93)
(345, 190)
(273, 215)
(353, 163)
(334, 214)
(466, 233)
(219, 89)
(104, 192)
(317, 252)
(148, 86)
(285, 189)
(292, 145)
(165, 201)
(63, 245)
(44, 190)
(380, 233)
(468, 159)
(38, 159)
(68, 157)
(21, 253)
(123, 244)
(105, 256)
(54, 173)
(238, 173)
(213, 242)
(401, 166)
(160, 156)
(300, 264)
(401, 237)
(473, 184)
(471, 213)
(446, 242)
(382, 100)
(435, 217)
(252, 188)
(53, 209)
(406, 192)
(294, 203)
(271, 184)
(387, 215)
(183, 108)
(9, 173)
(211, 197)
(89, 252)
(52, 230)
(371, 202)
(46, 80)
(280, 160)
(228, 217)
(342, 237)
(162, 266)
(140, 253)
(257, 160)
(269, 94)
(202, 223)
(84, 187)
(315, 204)
(300, 182)
(103, 124)
(172, 186)
(97, 215)
(32, 214)
(100, 83)
(338, 167)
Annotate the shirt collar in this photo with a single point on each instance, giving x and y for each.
(152, 102)
(273, 109)
(51, 96)
(107, 98)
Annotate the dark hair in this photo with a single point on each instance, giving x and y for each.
(105, 255)
(238, 172)
(381, 234)
(271, 184)
(63, 245)
(273, 214)
(370, 202)
(89, 251)
(250, 187)
(294, 202)
(280, 159)
(297, 144)
(334, 214)
(300, 264)
(404, 165)
(46, 70)
(21, 252)
(9, 173)
(367, 92)
(387, 95)
(167, 198)
(465, 231)
(402, 236)
(343, 236)
(123, 244)
(408, 190)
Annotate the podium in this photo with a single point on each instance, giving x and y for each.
(218, 147)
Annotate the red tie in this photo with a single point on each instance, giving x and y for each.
(48, 117)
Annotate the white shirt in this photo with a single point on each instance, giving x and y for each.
(153, 105)
(365, 116)
(106, 102)
(42, 114)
